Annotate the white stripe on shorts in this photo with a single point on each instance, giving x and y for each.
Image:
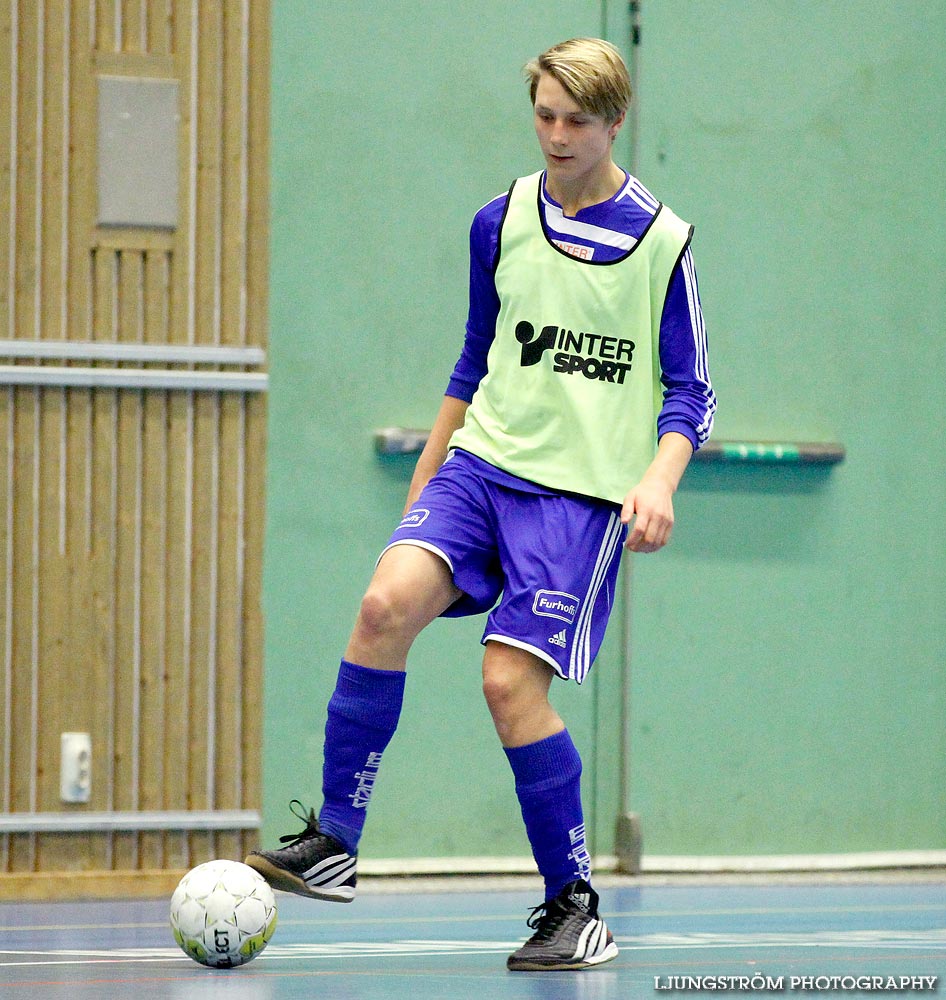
(419, 544)
(528, 647)
(579, 662)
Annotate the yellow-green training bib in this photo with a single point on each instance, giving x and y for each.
(572, 390)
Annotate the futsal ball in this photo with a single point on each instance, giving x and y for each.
(223, 914)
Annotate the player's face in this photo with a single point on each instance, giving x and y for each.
(576, 145)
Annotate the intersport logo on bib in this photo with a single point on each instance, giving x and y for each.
(597, 357)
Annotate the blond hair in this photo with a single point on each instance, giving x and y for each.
(592, 73)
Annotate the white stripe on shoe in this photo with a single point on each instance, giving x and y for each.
(331, 873)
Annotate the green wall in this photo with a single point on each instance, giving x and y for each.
(787, 650)
(804, 658)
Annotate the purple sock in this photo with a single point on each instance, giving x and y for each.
(363, 713)
(548, 784)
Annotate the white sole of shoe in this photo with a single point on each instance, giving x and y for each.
(609, 953)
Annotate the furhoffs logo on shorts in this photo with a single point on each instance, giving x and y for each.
(415, 518)
(554, 604)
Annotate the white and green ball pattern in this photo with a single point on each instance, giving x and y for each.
(223, 914)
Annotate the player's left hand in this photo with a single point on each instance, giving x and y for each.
(650, 507)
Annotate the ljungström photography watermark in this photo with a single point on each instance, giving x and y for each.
(760, 983)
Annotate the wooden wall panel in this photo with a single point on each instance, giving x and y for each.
(8, 126)
(22, 646)
(131, 517)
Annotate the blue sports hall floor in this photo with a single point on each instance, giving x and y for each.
(848, 935)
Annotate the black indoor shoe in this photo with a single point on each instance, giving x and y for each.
(569, 934)
(314, 864)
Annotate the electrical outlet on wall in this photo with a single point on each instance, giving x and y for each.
(75, 772)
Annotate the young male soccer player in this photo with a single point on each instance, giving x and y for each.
(580, 394)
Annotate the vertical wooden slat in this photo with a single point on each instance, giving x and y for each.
(209, 206)
(154, 486)
(185, 61)
(59, 709)
(57, 706)
(257, 277)
(82, 851)
(25, 289)
(201, 792)
(179, 569)
(177, 710)
(179, 733)
(159, 27)
(206, 291)
(254, 520)
(6, 617)
(127, 619)
(54, 709)
(52, 205)
(232, 280)
(7, 417)
(228, 780)
(77, 280)
(22, 621)
(47, 606)
(104, 20)
(128, 565)
(234, 99)
(6, 567)
(8, 127)
(9, 31)
(89, 535)
(134, 26)
(102, 558)
(83, 131)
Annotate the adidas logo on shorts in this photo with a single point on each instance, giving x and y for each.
(559, 639)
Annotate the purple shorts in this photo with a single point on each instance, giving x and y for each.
(550, 559)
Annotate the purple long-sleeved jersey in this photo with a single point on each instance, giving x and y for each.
(601, 232)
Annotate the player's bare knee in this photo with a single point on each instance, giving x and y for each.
(503, 694)
(381, 615)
